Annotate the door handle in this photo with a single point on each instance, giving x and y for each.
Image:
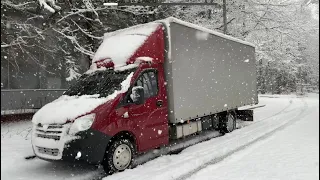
(159, 103)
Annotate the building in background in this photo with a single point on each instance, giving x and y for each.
(33, 73)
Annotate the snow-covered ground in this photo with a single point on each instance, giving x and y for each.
(282, 143)
(292, 153)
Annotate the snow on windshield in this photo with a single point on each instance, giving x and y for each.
(119, 46)
(70, 107)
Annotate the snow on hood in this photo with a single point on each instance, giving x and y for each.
(120, 45)
(70, 107)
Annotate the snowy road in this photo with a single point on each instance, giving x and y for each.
(247, 153)
(292, 153)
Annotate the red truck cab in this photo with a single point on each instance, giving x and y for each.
(120, 127)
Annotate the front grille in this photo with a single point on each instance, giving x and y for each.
(48, 151)
(52, 126)
(52, 131)
(49, 136)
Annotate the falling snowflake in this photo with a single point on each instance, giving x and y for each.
(78, 155)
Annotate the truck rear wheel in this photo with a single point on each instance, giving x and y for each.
(231, 122)
(119, 156)
(227, 122)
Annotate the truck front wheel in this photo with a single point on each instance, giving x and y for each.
(119, 156)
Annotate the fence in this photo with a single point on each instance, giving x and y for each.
(17, 101)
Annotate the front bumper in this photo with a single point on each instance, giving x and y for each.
(91, 144)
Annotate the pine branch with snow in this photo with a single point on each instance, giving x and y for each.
(72, 68)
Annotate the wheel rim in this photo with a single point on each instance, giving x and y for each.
(122, 157)
(230, 122)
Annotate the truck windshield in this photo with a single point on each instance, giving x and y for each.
(103, 83)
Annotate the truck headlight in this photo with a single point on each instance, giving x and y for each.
(81, 124)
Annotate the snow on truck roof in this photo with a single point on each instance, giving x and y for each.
(120, 45)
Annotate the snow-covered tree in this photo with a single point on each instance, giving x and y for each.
(66, 34)
(281, 31)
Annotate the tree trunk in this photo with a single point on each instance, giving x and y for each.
(224, 6)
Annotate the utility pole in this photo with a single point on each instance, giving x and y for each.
(224, 7)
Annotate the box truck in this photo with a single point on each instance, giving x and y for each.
(151, 89)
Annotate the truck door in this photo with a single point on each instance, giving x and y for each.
(150, 117)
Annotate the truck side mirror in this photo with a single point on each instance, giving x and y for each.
(137, 95)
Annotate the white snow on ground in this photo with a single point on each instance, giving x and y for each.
(289, 154)
(279, 110)
(16, 145)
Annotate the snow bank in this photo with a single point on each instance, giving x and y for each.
(70, 107)
(120, 45)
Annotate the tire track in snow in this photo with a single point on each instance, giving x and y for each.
(226, 142)
(243, 125)
(277, 114)
(265, 136)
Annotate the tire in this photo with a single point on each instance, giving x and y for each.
(227, 122)
(119, 156)
(231, 122)
(176, 151)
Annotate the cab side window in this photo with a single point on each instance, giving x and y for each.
(149, 81)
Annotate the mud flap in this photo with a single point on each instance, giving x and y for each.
(245, 115)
